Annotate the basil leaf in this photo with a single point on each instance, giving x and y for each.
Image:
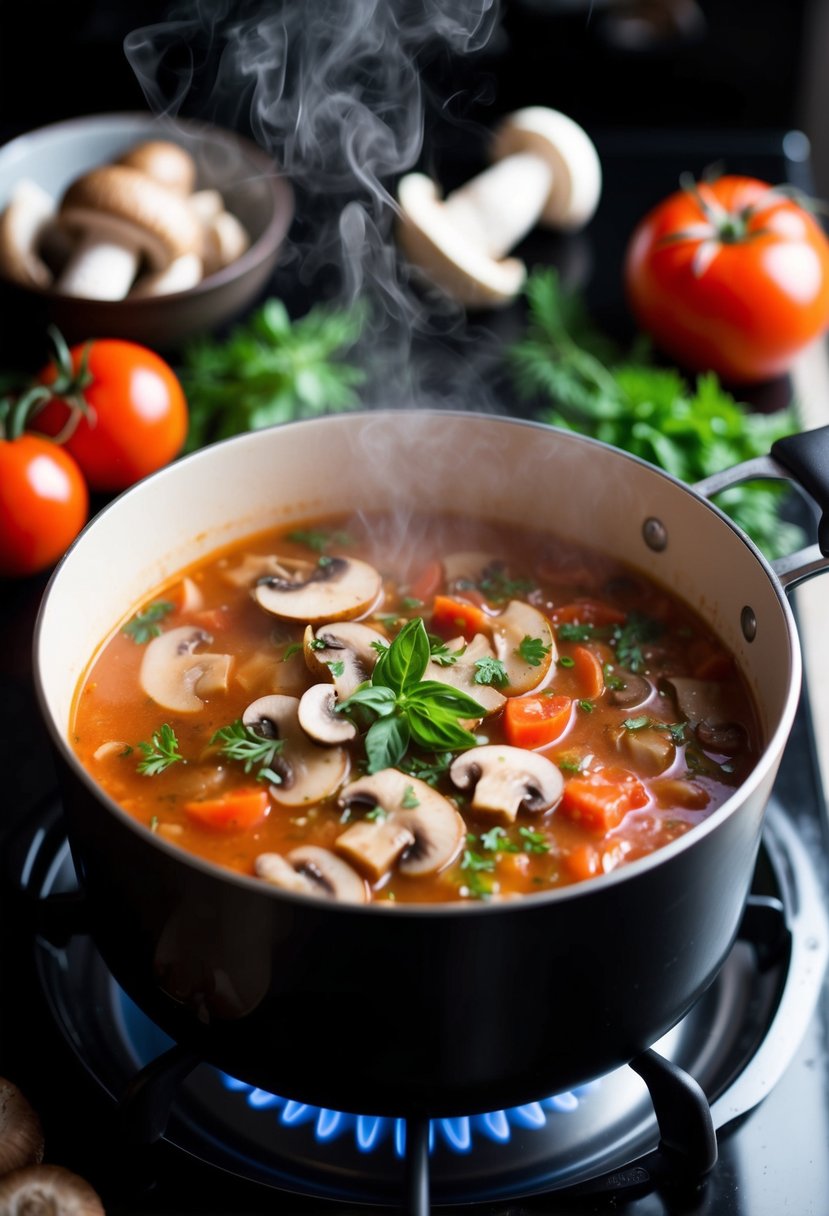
(431, 693)
(386, 742)
(437, 730)
(378, 699)
(402, 665)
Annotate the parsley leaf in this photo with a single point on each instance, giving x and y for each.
(532, 651)
(145, 624)
(160, 753)
(240, 742)
(490, 671)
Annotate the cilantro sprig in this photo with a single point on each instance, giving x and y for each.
(404, 708)
(584, 382)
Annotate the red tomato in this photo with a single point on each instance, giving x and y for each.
(730, 276)
(137, 420)
(43, 504)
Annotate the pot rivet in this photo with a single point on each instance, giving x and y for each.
(655, 534)
(748, 621)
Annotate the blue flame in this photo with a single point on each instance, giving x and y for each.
(370, 1131)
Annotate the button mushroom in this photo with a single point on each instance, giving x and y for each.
(546, 169)
(319, 719)
(165, 162)
(21, 1132)
(123, 218)
(311, 870)
(505, 780)
(48, 1189)
(177, 675)
(333, 589)
(708, 705)
(308, 772)
(344, 652)
(523, 641)
(413, 826)
(28, 214)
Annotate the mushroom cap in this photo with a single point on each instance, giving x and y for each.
(432, 242)
(311, 870)
(345, 642)
(317, 716)
(567, 148)
(509, 628)
(427, 826)
(21, 1132)
(338, 589)
(22, 222)
(177, 675)
(165, 162)
(48, 1188)
(461, 673)
(124, 205)
(309, 772)
(507, 779)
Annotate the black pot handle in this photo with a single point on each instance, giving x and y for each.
(805, 457)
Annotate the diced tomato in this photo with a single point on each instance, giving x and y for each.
(533, 722)
(427, 582)
(600, 800)
(587, 612)
(233, 812)
(451, 617)
(588, 671)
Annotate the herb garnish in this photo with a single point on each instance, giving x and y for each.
(490, 671)
(405, 707)
(145, 624)
(624, 399)
(319, 539)
(160, 753)
(532, 651)
(239, 742)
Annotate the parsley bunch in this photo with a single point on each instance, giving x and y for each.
(405, 708)
(270, 370)
(650, 411)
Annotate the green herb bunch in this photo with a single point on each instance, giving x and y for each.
(403, 708)
(629, 402)
(270, 370)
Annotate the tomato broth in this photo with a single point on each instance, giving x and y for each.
(427, 710)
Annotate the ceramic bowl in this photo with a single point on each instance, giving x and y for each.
(248, 179)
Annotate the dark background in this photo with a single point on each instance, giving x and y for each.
(745, 64)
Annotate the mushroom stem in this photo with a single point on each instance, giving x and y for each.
(501, 205)
(99, 269)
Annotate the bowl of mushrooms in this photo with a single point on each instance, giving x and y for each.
(135, 226)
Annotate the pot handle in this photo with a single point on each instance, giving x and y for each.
(803, 459)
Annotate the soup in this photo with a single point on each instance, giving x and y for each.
(446, 711)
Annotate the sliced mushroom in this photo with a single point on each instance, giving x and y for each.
(344, 652)
(461, 674)
(627, 690)
(649, 749)
(308, 772)
(310, 870)
(48, 1189)
(122, 217)
(333, 589)
(698, 701)
(177, 675)
(256, 566)
(319, 719)
(23, 222)
(415, 826)
(505, 780)
(510, 629)
(468, 566)
(724, 738)
(21, 1132)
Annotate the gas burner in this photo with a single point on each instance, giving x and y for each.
(617, 1135)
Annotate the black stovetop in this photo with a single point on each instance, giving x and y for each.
(772, 1129)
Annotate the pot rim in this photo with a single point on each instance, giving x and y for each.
(523, 905)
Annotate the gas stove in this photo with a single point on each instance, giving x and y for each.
(728, 1114)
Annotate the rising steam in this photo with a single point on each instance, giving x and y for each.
(333, 90)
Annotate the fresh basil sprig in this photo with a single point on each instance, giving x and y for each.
(406, 708)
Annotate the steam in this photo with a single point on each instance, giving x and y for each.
(334, 91)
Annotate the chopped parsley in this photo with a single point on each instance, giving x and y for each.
(239, 742)
(532, 651)
(160, 753)
(490, 671)
(145, 624)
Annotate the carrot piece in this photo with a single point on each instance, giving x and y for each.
(587, 612)
(583, 862)
(428, 581)
(715, 666)
(214, 619)
(236, 811)
(533, 722)
(451, 617)
(588, 671)
(601, 800)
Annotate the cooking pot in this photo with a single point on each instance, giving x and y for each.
(442, 1009)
